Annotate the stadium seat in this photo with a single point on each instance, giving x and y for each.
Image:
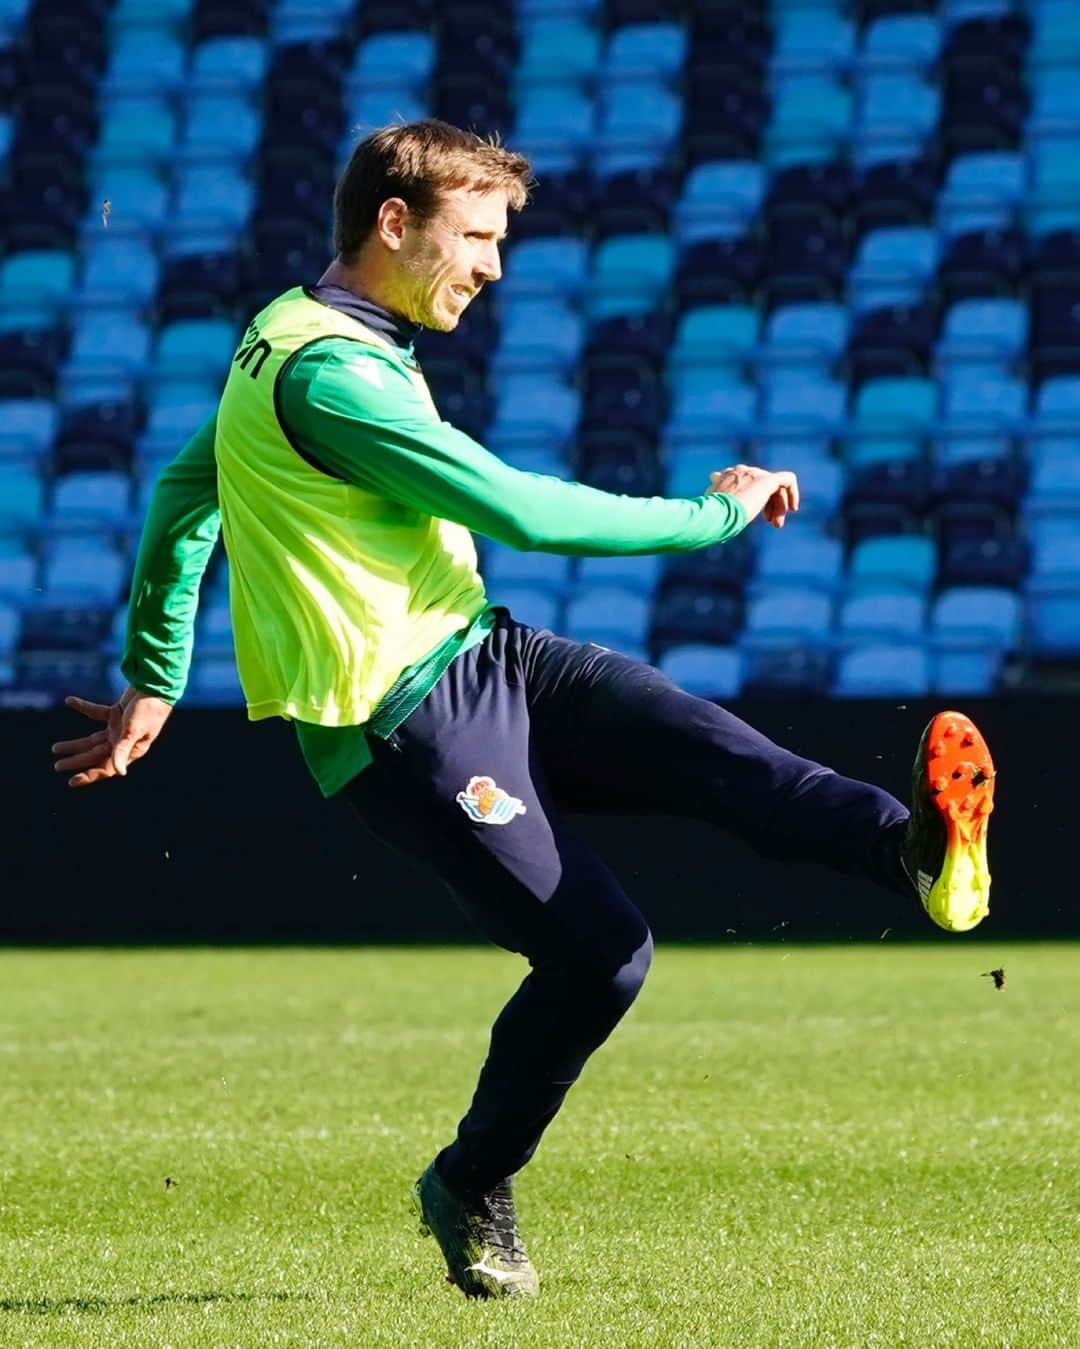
(805, 558)
(215, 682)
(144, 61)
(982, 615)
(644, 52)
(218, 129)
(228, 65)
(394, 60)
(83, 571)
(811, 119)
(176, 412)
(801, 405)
(900, 42)
(971, 673)
(886, 564)
(1053, 201)
(987, 333)
(22, 495)
(639, 574)
(27, 428)
(891, 419)
(639, 124)
(506, 567)
(558, 50)
(34, 287)
(883, 671)
(539, 335)
(805, 336)
(1054, 627)
(555, 127)
(788, 616)
(982, 191)
(700, 414)
(90, 501)
(892, 266)
(714, 338)
(194, 349)
(810, 41)
(138, 203)
(689, 467)
(894, 117)
(719, 200)
(296, 21)
(533, 411)
(714, 672)
(554, 267)
(214, 636)
(630, 274)
(136, 131)
(882, 616)
(118, 272)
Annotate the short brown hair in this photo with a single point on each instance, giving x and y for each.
(418, 162)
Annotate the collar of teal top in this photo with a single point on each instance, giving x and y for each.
(394, 327)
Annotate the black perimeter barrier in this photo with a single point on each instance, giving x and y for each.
(220, 835)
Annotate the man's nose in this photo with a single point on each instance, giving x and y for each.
(489, 265)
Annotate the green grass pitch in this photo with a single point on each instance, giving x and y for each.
(781, 1145)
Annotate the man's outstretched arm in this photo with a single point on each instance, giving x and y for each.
(181, 527)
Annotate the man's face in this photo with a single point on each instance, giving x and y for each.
(443, 262)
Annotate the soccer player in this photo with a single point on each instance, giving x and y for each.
(460, 735)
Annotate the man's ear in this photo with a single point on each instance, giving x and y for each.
(391, 221)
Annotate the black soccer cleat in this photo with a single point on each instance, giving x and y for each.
(952, 795)
(484, 1253)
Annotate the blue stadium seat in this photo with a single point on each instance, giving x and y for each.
(987, 333)
(556, 127)
(812, 40)
(719, 200)
(395, 60)
(136, 131)
(215, 632)
(609, 616)
(821, 479)
(644, 51)
(564, 50)
(531, 10)
(639, 574)
(892, 562)
(892, 266)
(108, 343)
(900, 42)
(894, 116)
(141, 14)
(138, 203)
(1055, 109)
(369, 109)
(9, 628)
(639, 124)
(883, 671)
(714, 672)
(27, 428)
(712, 337)
(555, 267)
(176, 412)
(630, 274)
(805, 335)
(803, 558)
(810, 123)
(531, 605)
(506, 567)
(539, 335)
(981, 406)
(1055, 39)
(893, 616)
(1055, 485)
(235, 64)
(215, 682)
(119, 272)
(194, 349)
(91, 501)
(1055, 561)
(81, 570)
(533, 410)
(295, 21)
(211, 205)
(218, 129)
(1055, 423)
(144, 61)
(689, 467)
(983, 191)
(22, 497)
(970, 672)
(700, 414)
(798, 405)
(788, 616)
(1053, 201)
(977, 615)
(34, 287)
(891, 418)
(1054, 626)
(18, 575)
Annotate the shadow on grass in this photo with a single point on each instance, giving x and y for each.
(44, 1306)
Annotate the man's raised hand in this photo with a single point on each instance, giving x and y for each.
(132, 724)
(761, 491)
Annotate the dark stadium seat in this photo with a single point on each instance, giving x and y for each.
(229, 18)
(194, 285)
(984, 262)
(28, 362)
(892, 341)
(97, 436)
(717, 270)
(694, 613)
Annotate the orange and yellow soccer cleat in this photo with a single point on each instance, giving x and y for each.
(952, 795)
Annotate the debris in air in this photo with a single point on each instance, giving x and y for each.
(998, 977)
(106, 211)
(170, 1183)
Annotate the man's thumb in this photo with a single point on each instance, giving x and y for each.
(122, 752)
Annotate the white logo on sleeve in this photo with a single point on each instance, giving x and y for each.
(485, 803)
(367, 368)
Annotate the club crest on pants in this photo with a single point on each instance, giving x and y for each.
(485, 803)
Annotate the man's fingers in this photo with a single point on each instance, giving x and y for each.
(99, 711)
(90, 759)
(81, 745)
(92, 775)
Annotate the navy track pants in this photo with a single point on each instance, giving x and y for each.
(474, 784)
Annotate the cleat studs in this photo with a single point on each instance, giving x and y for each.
(939, 784)
(937, 749)
(968, 740)
(957, 773)
(951, 730)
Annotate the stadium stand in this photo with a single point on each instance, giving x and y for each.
(843, 238)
